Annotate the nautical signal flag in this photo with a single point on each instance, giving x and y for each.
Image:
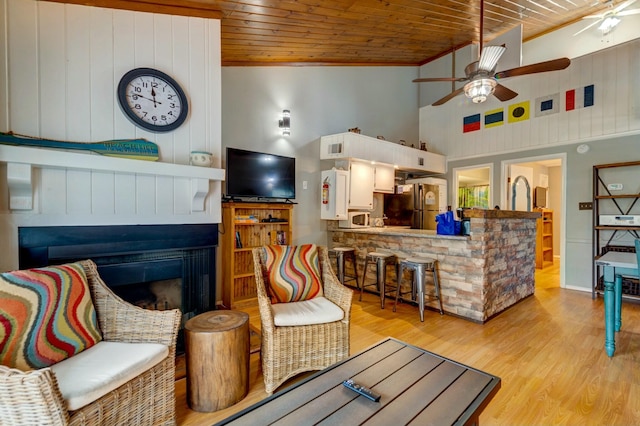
(519, 112)
(494, 118)
(471, 123)
(547, 105)
(579, 98)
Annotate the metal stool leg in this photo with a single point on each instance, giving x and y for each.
(418, 277)
(436, 284)
(381, 273)
(398, 282)
(355, 266)
(340, 266)
(364, 276)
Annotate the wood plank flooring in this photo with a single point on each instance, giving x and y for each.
(548, 350)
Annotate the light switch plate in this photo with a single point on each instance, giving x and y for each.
(585, 205)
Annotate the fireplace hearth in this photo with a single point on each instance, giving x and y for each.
(152, 266)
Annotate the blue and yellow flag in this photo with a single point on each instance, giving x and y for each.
(494, 118)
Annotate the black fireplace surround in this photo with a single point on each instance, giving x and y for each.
(131, 255)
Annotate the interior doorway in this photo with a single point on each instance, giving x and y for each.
(544, 175)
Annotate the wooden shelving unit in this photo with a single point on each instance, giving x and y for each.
(616, 191)
(241, 234)
(544, 239)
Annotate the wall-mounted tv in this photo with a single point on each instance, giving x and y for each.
(252, 174)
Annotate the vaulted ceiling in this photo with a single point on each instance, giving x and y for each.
(362, 32)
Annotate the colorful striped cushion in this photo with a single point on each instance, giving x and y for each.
(46, 315)
(294, 273)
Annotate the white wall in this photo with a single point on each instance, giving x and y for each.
(59, 70)
(323, 100)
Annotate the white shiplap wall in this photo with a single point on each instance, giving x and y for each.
(60, 66)
(613, 71)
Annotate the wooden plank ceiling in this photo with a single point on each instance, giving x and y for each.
(362, 32)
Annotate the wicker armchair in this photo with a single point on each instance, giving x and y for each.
(291, 350)
(33, 397)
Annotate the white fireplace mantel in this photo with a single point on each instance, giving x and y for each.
(20, 161)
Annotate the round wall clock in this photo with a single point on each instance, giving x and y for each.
(152, 100)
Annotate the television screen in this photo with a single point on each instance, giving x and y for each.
(253, 174)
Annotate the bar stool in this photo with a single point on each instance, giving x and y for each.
(420, 266)
(343, 254)
(381, 261)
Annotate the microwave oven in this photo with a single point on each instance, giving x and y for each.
(355, 220)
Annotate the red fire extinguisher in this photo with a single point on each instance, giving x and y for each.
(325, 192)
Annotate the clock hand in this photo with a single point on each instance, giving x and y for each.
(153, 93)
(144, 97)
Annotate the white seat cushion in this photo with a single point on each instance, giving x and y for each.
(94, 372)
(318, 310)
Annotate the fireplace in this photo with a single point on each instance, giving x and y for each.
(152, 266)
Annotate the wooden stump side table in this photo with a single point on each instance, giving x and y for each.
(217, 357)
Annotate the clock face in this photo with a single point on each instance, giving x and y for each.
(152, 100)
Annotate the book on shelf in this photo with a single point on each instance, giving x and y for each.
(238, 240)
(277, 238)
(247, 218)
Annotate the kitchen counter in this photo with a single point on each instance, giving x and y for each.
(480, 275)
(400, 230)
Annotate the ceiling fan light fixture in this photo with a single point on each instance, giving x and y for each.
(479, 89)
(608, 24)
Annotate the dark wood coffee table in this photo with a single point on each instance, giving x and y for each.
(417, 387)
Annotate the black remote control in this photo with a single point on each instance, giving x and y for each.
(362, 390)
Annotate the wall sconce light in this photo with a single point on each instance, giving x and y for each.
(285, 123)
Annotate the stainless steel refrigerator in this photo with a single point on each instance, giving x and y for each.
(429, 200)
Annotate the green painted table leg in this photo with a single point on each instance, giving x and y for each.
(609, 314)
(617, 289)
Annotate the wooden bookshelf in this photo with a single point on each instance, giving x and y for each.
(245, 227)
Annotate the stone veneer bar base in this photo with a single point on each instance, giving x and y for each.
(480, 275)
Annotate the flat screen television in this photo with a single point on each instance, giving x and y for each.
(252, 174)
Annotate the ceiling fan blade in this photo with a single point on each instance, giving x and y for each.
(623, 6)
(552, 65)
(503, 93)
(589, 26)
(425, 80)
(628, 12)
(489, 57)
(448, 97)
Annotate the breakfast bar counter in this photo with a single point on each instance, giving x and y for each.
(480, 275)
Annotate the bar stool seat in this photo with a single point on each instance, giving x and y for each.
(420, 266)
(381, 260)
(342, 254)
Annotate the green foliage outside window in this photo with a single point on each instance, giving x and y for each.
(474, 196)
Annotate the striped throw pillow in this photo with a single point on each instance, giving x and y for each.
(46, 316)
(294, 273)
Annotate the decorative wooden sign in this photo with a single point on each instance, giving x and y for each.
(138, 149)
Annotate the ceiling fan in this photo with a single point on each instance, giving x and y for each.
(481, 78)
(609, 19)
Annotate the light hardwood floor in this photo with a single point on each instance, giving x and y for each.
(548, 350)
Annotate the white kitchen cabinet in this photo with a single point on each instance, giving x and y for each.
(337, 197)
(384, 178)
(361, 185)
(344, 146)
